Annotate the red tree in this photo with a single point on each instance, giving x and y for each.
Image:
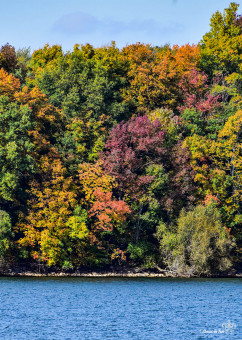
(132, 146)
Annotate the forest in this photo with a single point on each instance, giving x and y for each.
(124, 157)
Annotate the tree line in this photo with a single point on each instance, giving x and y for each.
(125, 156)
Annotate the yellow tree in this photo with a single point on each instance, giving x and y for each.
(228, 149)
(217, 167)
(55, 226)
(154, 75)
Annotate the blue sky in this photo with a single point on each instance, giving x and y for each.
(33, 23)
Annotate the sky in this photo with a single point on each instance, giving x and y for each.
(31, 23)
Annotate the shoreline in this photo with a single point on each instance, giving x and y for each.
(118, 274)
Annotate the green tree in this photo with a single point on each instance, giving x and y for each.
(221, 47)
(198, 244)
(27, 126)
(16, 148)
(86, 85)
(6, 233)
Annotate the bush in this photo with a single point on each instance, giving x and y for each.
(198, 245)
(142, 253)
(5, 234)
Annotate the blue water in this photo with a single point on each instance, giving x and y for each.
(113, 308)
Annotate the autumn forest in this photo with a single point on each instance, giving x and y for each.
(124, 157)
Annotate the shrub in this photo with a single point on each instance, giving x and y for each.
(198, 245)
(5, 233)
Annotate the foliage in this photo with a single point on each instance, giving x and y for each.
(55, 221)
(130, 148)
(25, 115)
(107, 215)
(198, 245)
(6, 233)
(101, 147)
(8, 58)
(221, 46)
(196, 95)
(154, 77)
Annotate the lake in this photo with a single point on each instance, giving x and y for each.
(120, 308)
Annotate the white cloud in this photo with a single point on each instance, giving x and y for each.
(83, 23)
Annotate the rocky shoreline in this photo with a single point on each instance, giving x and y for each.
(131, 273)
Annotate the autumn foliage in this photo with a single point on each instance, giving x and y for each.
(113, 156)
